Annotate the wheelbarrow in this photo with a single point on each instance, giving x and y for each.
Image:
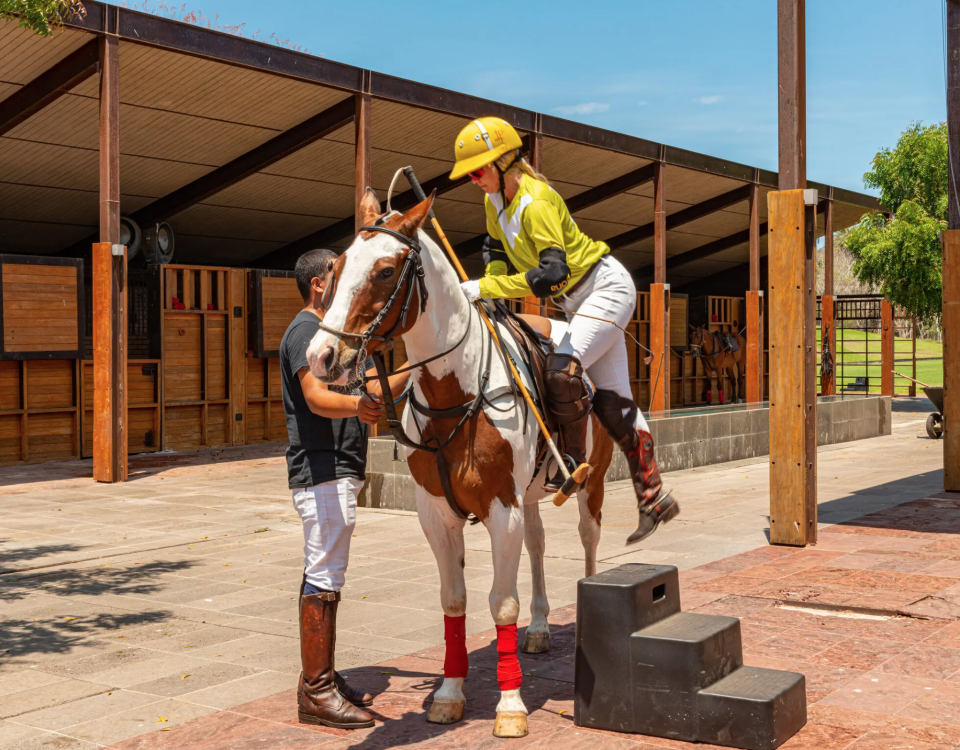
(935, 394)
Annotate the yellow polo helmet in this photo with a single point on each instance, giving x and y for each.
(482, 142)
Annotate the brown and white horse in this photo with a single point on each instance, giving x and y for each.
(717, 361)
(492, 460)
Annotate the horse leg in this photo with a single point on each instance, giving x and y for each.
(537, 639)
(590, 498)
(505, 524)
(444, 532)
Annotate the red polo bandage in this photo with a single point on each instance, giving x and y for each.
(455, 663)
(508, 665)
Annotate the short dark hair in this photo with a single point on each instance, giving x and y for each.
(313, 264)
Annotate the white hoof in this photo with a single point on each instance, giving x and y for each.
(536, 642)
(446, 711)
(510, 724)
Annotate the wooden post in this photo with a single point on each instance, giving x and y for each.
(109, 271)
(886, 348)
(951, 354)
(951, 263)
(237, 342)
(109, 362)
(659, 227)
(660, 346)
(792, 101)
(754, 385)
(362, 142)
(828, 340)
(793, 426)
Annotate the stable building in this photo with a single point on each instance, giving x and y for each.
(217, 160)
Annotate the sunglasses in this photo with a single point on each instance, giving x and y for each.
(475, 174)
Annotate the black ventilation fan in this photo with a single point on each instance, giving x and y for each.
(130, 236)
(158, 243)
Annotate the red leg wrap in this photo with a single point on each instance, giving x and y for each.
(455, 663)
(709, 397)
(508, 665)
(721, 397)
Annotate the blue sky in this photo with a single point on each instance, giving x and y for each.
(698, 74)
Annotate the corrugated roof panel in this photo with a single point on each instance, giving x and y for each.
(845, 215)
(691, 187)
(328, 159)
(625, 208)
(156, 177)
(455, 216)
(33, 203)
(164, 80)
(216, 221)
(24, 55)
(584, 165)
(601, 230)
(68, 121)
(264, 192)
(49, 165)
(410, 130)
(716, 225)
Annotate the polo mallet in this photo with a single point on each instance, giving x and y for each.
(571, 482)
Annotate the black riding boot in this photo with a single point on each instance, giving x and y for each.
(637, 447)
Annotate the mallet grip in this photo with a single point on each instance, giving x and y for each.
(417, 189)
(571, 484)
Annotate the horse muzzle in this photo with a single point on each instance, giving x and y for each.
(332, 362)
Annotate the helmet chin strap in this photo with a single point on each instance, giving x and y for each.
(501, 173)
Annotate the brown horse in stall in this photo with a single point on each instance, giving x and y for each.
(719, 358)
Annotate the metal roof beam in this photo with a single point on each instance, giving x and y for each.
(687, 215)
(49, 86)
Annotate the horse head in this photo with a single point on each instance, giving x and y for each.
(698, 335)
(375, 291)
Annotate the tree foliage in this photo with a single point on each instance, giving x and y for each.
(902, 256)
(42, 16)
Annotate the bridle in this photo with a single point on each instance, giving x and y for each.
(412, 275)
(697, 349)
(412, 267)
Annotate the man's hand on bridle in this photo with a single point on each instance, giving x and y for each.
(369, 408)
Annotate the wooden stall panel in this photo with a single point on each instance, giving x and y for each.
(9, 386)
(40, 308)
(256, 422)
(142, 430)
(10, 440)
(256, 378)
(142, 383)
(281, 303)
(278, 423)
(217, 388)
(218, 424)
(183, 427)
(52, 383)
(51, 437)
(182, 358)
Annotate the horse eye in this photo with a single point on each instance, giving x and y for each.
(386, 273)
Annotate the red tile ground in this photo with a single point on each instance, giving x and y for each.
(889, 680)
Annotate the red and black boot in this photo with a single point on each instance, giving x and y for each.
(637, 447)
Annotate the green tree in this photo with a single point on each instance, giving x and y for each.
(42, 16)
(902, 256)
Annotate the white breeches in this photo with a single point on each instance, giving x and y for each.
(328, 512)
(609, 293)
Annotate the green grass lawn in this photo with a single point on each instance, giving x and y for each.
(855, 347)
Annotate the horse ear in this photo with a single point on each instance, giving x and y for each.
(369, 208)
(414, 218)
(692, 326)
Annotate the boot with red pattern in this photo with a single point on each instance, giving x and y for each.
(637, 447)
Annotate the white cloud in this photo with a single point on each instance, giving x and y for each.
(642, 104)
(708, 99)
(588, 108)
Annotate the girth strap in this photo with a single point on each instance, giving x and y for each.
(459, 411)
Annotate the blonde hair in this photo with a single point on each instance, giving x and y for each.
(519, 163)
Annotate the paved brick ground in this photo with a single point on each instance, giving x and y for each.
(163, 613)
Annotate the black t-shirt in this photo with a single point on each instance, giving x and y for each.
(321, 449)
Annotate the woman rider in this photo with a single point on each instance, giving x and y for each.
(530, 229)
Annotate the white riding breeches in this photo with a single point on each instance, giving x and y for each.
(328, 512)
(608, 293)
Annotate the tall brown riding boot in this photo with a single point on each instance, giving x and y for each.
(320, 701)
(569, 406)
(637, 447)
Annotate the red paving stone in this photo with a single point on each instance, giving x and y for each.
(872, 684)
